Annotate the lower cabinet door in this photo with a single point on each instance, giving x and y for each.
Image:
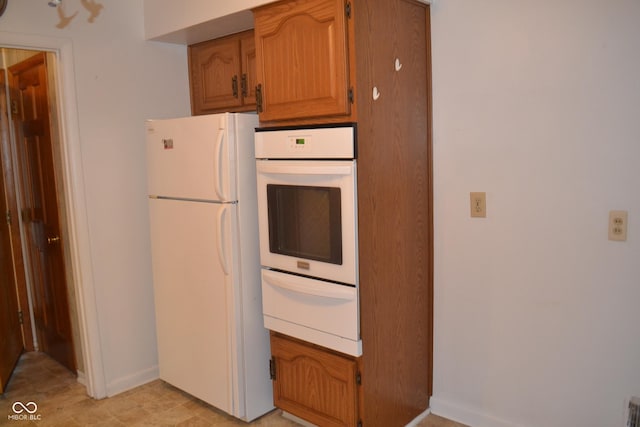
(314, 384)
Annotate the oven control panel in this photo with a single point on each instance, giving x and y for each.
(305, 143)
(300, 142)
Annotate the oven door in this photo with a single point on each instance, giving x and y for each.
(307, 217)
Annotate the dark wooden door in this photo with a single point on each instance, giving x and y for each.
(10, 332)
(39, 208)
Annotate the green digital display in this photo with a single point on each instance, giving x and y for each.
(299, 141)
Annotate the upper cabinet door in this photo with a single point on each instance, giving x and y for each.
(302, 59)
(214, 71)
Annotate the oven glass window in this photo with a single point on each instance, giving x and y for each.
(305, 222)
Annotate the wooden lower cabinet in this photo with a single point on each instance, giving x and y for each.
(313, 383)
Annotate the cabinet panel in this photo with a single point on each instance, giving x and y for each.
(248, 80)
(314, 384)
(395, 222)
(302, 59)
(222, 74)
(213, 65)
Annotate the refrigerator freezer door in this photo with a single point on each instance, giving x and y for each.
(194, 299)
(192, 157)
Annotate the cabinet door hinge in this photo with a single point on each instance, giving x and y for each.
(347, 9)
(350, 95)
(358, 378)
(8, 217)
(272, 368)
(259, 98)
(20, 317)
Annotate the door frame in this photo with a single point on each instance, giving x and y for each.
(74, 196)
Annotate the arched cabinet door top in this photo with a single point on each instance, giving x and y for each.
(302, 60)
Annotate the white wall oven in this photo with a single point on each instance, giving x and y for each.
(308, 233)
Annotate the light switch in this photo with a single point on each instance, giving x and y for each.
(479, 205)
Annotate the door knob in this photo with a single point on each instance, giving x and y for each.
(52, 240)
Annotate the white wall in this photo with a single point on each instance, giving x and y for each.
(536, 311)
(193, 21)
(120, 80)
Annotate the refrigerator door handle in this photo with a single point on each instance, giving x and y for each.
(222, 256)
(218, 165)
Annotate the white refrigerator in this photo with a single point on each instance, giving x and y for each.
(206, 268)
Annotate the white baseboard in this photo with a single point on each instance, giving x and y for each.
(419, 418)
(123, 384)
(304, 423)
(298, 420)
(81, 378)
(465, 415)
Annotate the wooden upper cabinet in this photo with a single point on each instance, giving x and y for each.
(222, 74)
(302, 59)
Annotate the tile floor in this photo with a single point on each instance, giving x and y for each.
(61, 401)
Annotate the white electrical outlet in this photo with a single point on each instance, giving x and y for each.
(618, 225)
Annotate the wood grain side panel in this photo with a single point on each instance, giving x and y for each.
(430, 265)
(394, 204)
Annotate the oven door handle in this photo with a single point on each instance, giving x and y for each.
(315, 289)
(276, 169)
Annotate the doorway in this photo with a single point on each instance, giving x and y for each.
(36, 202)
(79, 258)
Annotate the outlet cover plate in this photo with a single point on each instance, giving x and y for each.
(618, 226)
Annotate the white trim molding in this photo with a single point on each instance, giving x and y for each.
(78, 226)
